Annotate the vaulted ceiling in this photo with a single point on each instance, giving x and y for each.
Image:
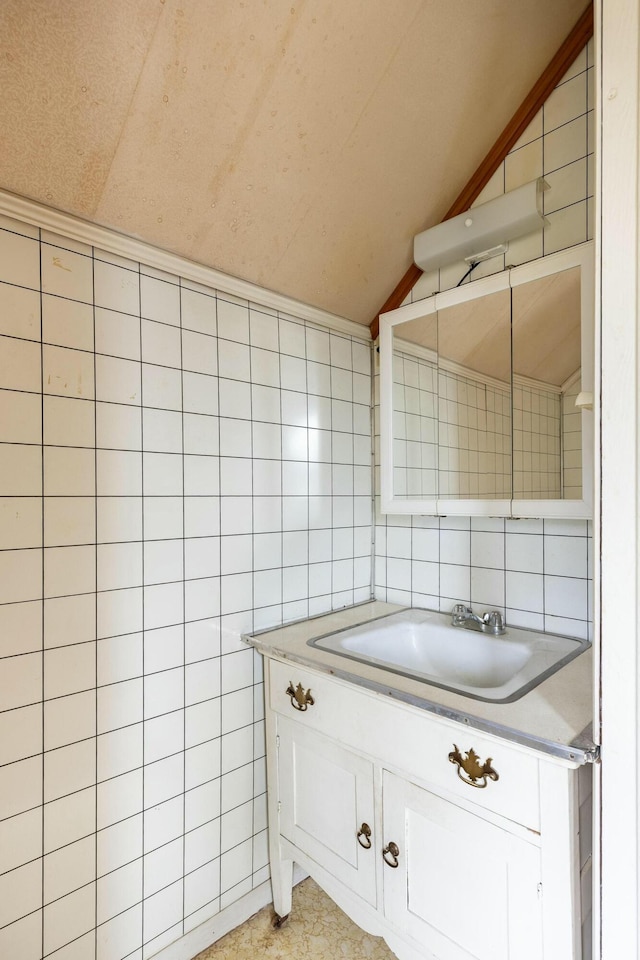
(299, 145)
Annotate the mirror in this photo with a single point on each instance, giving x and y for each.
(478, 395)
(547, 432)
(415, 408)
(474, 398)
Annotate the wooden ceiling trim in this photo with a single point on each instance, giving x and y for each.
(544, 86)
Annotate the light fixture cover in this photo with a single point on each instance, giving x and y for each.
(512, 215)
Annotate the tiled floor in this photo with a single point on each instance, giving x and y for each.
(315, 930)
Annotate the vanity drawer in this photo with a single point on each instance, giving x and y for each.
(337, 705)
(468, 765)
(414, 742)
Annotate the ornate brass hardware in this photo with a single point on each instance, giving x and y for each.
(472, 767)
(300, 699)
(393, 850)
(364, 831)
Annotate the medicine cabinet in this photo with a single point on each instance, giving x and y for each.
(486, 395)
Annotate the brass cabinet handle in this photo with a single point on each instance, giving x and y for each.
(474, 771)
(300, 699)
(393, 850)
(364, 831)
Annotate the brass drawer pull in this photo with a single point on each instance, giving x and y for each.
(393, 850)
(364, 831)
(300, 699)
(473, 769)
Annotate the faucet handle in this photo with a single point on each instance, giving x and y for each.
(459, 613)
(495, 622)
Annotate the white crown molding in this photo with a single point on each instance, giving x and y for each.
(572, 380)
(458, 370)
(415, 350)
(39, 215)
(411, 349)
(418, 352)
(541, 385)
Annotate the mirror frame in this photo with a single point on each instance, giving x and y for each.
(581, 256)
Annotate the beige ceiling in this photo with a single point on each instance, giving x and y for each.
(297, 144)
(533, 328)
(546, 327)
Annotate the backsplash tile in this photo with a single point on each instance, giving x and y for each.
(540, 578)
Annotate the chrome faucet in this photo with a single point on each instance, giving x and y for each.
(490, 622)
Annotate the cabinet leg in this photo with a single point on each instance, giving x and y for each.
(281, 887)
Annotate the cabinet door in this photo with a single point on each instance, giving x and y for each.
(463, 888)
(326, 796)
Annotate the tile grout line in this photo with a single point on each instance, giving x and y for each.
(184, 609)
(253, 694)
(220, 618)
(43, 622)
(143, 617)
(95, 487)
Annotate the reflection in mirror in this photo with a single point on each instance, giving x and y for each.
(547, 426)
(479, 391)
(452, 402)
(474, 399)
(415, 426)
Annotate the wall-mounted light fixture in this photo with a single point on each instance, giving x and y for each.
(482, 231)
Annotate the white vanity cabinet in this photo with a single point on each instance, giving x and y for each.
(326, 796)
(364, 795)
(465, 887)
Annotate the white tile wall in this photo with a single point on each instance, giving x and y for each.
(537, 443)
(464, 450)
(176, 467)
(536, 572)
(571, 444)
(452, 433)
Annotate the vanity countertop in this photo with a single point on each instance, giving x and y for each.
(554, 718)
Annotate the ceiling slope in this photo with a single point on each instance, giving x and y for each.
(68, 74)
(544, 86)
(298, 145)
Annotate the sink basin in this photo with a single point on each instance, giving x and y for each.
(423, 645)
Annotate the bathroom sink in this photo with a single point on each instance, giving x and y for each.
(423, 645)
